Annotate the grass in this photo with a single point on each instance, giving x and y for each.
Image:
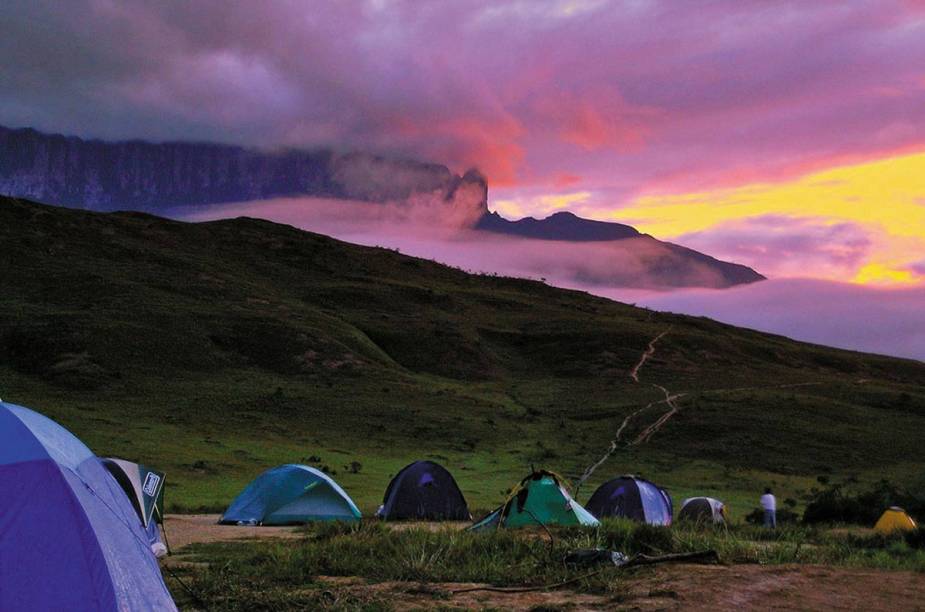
(214, 351)
(285, 574)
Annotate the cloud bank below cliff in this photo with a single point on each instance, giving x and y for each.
(871, 319)
(889, 321)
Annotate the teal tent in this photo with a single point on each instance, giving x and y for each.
(540, 499)
(291, 495)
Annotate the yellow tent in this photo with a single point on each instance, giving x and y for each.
(894, 519)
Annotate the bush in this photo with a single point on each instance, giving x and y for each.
(916, 538)
(785, 516)
(834, 505)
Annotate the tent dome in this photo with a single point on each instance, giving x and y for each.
(894, 519)
(703, 510)
(633, 498)
(540, 498)
(291, 495)
(424, 490)
(69, 537)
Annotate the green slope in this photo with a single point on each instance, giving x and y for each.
(216, 350)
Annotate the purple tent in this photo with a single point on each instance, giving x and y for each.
(69, 538)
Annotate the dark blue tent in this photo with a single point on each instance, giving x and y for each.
(632, 498)
(69, 537)
(424, 490)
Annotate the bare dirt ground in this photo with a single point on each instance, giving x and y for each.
(681, 587)
(675, 587)
(184, 529)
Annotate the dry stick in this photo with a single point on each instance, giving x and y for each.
(635, 561)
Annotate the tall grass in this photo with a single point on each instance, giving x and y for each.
(274, 575)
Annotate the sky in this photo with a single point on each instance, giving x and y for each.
(785, 135)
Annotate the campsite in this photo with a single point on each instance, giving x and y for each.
(468, 305)
(213, 405)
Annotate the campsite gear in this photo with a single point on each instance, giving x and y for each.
(424, 490)
(703, 510)
(633, 498)
(291, 495)
(144, 488)
(69, 537)
(539, 499)
(894, 519)
(589, 557)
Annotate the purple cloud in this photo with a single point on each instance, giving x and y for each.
(863, 318)
(628, 97)
(785, 246)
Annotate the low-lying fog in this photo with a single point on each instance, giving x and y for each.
(879, 320)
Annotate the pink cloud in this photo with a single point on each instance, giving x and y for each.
(862, 318)
(783, 246)
(655, 96)
(430, 228)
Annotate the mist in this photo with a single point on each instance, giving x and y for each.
(888, 321)
(432, 228)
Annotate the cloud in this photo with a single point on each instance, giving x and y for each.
(880, 320)
(427, 227)
(638, 97)
(875, 320)
(786, 246)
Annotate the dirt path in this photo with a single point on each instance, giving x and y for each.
(780, 587)
(646, 355)
(185, 529)
(680, 587)
(646, 433)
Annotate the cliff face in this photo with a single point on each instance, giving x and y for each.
(138, 175)
(135, 175)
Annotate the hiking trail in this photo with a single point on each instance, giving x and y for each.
(646, 354)
(649, 431)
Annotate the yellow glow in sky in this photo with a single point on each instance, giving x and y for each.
(542, 206)
(885, 197)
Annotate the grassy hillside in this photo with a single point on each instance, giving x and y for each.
(216, 350)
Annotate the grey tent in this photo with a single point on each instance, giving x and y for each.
(144, 488)
(703, 510)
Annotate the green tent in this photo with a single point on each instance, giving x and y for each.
(540, 499)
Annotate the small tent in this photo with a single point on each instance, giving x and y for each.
(290, 495)
(894, 519)
(540, 499)
(424, 490)
(705, 510)
(144, 488)
(69, 537)
(633, 498)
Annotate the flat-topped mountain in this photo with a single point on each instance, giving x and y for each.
(186, 176)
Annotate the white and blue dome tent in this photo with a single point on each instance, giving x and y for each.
(291, 495)
(633, 498)
(69, 537)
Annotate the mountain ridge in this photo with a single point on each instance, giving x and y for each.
(213, 350)
(177, 176)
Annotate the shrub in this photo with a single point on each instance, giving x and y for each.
(784, 516)
(833, 504)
